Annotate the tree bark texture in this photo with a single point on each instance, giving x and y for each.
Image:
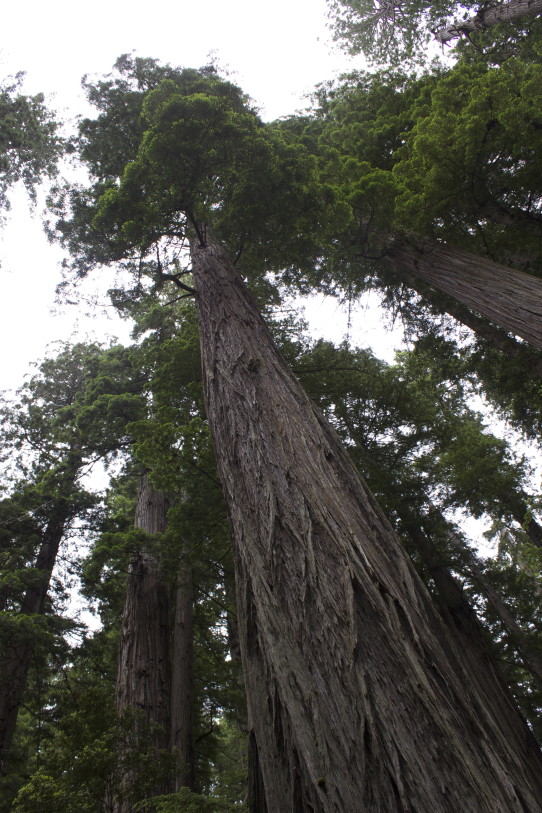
(357, 700)
(182, 678)
(508, 297)
(15, 661)
(144, 669)
(487, 16)
(256, 801)
(255, 788)
(494, 336)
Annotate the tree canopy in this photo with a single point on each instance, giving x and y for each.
(402, 31)
(30, 144)
(235, 547)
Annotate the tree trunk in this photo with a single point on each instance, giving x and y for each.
(531, 659)
(144, 671)
(182, 678)
(480, 327)
(15, 661)
(464, 617)
(487, 16)
(255, 789)
(358, 703)
(508, 297)
(520, 511)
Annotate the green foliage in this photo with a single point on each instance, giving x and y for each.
(510, 385)
(426, 453)
(203, 161)
(413, 435)
(399, 32)
(447, 155)
(451, 155)
(84, 761)
(185, 801)
(29, 144)
(515, 575)
(390, 32)
(470, 167)
(173, 444)
(173, 153)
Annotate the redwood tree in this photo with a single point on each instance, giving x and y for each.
(48, 442)
(357, 695)
(509, 298)
(443, 179)
(346, 660)
(144, 671)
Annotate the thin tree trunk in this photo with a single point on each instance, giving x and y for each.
(508, 297)
(531, 659)
(487, 16)
(465, 619)
(144, 670)
(182, 677)
(15, 661)
(521, 513)
(357, 701)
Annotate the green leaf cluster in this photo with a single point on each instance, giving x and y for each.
(30, 145)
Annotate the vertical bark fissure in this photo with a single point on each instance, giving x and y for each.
(256, 801)
(355, 702)
(508, 297)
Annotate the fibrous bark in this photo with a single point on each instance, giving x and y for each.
(144, 669)
(481, 327)
(182, 677)
(357, 701)
(508, 297)
(487, 16)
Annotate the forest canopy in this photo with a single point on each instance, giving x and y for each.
(289, 613)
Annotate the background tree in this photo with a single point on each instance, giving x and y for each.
(30, 145)
(362, 132)
(478, 191)
(49, 443)
(394, 32)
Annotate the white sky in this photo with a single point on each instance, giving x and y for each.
(277, 52)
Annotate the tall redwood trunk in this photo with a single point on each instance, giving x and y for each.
(15, 661)
(481, 327)
(489, 15)
(508, 297)
(358, 701)
(182, 677)
(144, 671)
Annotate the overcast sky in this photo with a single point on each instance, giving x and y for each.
(276, 52)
